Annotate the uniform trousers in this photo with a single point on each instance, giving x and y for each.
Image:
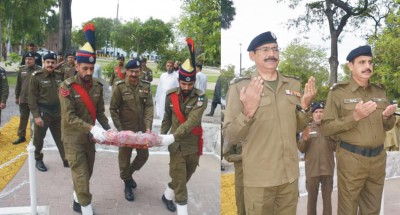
(312, 186)
(181, 168)
(23, 119)
(274, 200)
(126, 168)
(81, 158)
(360, 182)
(54, 123)
(239, 189)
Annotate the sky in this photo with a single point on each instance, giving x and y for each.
(254, 17)
(165, 10)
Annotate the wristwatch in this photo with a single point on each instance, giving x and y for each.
(306, 110)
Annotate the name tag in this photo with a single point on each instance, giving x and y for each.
(292, 93)
(46, 82)
(189, 106)
(348, 101)
(127, 93)
(379, 99)
(77, 96)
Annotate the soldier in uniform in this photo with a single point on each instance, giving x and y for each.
(3, 89)
(82, 103)
(234, 154)
(263, 113)
(319, 160)
(358, 114)
(68, 68)
(119, 73)
(184, 107)
(22, 91)
(32, 49)
(131, 108)
(147, 73)
(216, 97)
(45, 107)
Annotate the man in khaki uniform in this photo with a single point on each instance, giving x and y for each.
(22, 92)
(147, 73)
(45, 107)
(319, 160)
(358, 114)
(68, 68)
(3, 89)
(263, 113)
(119, 72)
(131, 109)
(234, 154)
(81, 99)
(184, 107)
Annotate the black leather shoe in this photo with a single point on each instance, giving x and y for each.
(169, 203)
(133, 184)
(129, 194)
(40, 166)
(66, 165)
(77, 207)
(210, 114)
(20, 140)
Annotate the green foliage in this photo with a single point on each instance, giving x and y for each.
(13, 58)
(227, 75)
(104, 28)
(228, 13)
(201, 20)
(109, 69)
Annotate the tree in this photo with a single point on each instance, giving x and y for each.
(201, 20)
(303, 61)
(65, 25)
(337, 13)
(227, 75)
(228, 13)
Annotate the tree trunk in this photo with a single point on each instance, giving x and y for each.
(65, 26)
(333, 60)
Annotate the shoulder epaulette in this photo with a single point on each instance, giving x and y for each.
(335, 85)
(199, 92)
(173, 90)
(21, 66)
(291, 76)
(37, 72)
(238, 79)
(69, 80)
(378, 85)
(145, 81)
(119, 82)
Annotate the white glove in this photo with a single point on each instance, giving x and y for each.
(167, 139)
(98, 133)
(110, 88)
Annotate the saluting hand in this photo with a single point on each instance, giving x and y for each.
(250, 97)
(389, 111)
(309, 93)
(39, 122)
(363, 110)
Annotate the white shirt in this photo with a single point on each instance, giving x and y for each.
(166, 82)
(201, 82)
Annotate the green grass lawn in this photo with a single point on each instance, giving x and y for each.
(12, 80)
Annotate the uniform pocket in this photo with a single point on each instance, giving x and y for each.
(265, 101)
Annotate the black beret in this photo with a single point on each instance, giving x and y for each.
(264, 38)
(317, 105)
(120, 57)
(133, 64)
(29, 54)
(360, 51)
(50, 55)
(70, 53)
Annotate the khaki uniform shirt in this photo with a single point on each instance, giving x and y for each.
(147, 74)
(234, 154)
(192, 108)
(269, 138)
(67, 70)
(338, 115)
(115, 77)
(75, 117)
(318, 149)
(23, 78)
(4, 90)
(131, 106)
(43, 96)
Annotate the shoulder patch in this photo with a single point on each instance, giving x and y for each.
(119, 82)
(238, 79)
(200, 100)
(173, 90)
(37, 72)
(291, 76)
(99, 82)
(335, 85)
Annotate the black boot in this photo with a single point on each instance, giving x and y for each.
(40, 166)
(20, 140)
(169, 203)
(132, 183)
(213, 106)
(77, 207)
(128, 190)
(66, 165)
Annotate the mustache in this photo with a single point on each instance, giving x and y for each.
(270, 58)
(367, 70)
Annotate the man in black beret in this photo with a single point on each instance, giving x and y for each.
(358, 113)
(68, 68)
(32, 49)
(263, 113)
(45, 107)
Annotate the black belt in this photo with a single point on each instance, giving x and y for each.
(367, 152)
(49, 108)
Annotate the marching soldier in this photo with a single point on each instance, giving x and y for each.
(22, 91)
(358, 113)
(3, 89)
(183, 111)
(68, 68)
(147, 73)
(45, 107)
(131, 108)
(81, 99)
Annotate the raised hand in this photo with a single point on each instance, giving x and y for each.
(363, 110)
(309, 93)
(250, 97)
